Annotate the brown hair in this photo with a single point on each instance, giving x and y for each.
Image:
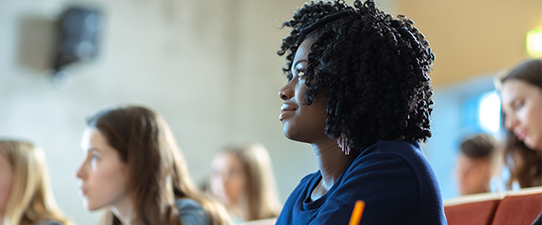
(524, 163)
(158, 173)
(260, 188)
(480, 146)
(31, 199)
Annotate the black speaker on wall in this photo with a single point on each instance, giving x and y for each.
(79, 29)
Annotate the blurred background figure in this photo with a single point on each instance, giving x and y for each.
(242, 179)
(521, 96)
(134, 169)
(26, 196)
(473, 169)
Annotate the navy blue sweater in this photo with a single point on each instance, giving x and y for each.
(393, 178)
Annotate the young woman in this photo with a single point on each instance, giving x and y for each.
(242, 179)
(26, 197)
(359, 93)
(521, 96)
(134, 168)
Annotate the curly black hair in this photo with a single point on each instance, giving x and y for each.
(372, 67)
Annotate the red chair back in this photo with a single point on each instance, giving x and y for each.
(473, 213)
(518, 209)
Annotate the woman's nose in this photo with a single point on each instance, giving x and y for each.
(510, 121)
(286, 92)
(80, 172)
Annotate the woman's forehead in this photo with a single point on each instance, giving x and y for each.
(303, 50)
(515, 88)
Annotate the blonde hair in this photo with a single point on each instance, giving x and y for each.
(31, 199)
(261, 189)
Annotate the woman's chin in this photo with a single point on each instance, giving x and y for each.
(534, 145)
(292, 134)
(90, 207)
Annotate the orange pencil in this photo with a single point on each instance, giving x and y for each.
(357, 212)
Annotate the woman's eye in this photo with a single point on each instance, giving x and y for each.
(301, 74)
(518, 104)
(94, 157)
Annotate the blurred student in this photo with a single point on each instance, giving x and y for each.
(521, 96)
(242, 179)
(473, 170)
(26, 197)
(134, 169)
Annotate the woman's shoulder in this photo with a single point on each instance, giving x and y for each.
(393, 177)
(399, 146)
(409, 152)
(191, 212)
(49, 223)
(187, 203)
(392, 160)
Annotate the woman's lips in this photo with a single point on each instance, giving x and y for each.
(82, 192)
(521, 135)
(285, 110)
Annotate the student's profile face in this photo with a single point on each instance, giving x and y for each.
(6, 181)
(305, 123)
(522, 105)
(472, 175)
(104, 176)
(228, 181)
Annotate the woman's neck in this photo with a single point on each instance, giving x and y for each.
(332, 162)
(123, 211)
(240, 209)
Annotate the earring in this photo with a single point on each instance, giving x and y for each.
(342, 142)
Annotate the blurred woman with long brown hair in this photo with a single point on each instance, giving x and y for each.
(521, 96)
(134, 167)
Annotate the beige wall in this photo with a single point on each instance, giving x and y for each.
(210, 67)
(473, 37)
